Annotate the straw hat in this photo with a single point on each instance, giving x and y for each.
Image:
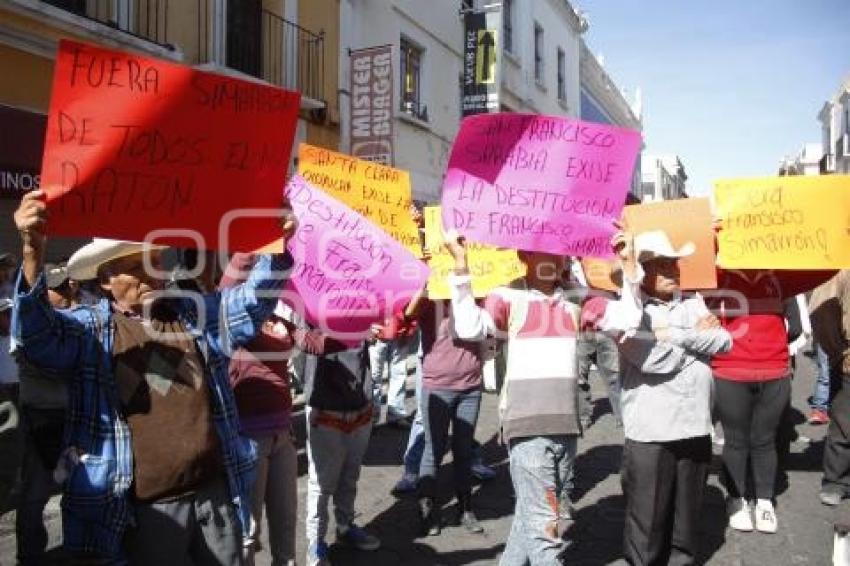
(86, 261)
(655, 243)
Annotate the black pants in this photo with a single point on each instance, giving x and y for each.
(663, 483)
(836, 452)
(750, 413)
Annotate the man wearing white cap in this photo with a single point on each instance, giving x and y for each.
(153, 437)
(665, 342)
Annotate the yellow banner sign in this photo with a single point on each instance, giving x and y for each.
(380, 193)
(784, 222)
(489, 266)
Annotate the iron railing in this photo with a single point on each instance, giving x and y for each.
(144, 19)
(264, 45)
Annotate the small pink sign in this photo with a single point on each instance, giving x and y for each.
(541, 183)
(348, 272)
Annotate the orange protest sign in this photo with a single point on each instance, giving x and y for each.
(683, 220)
(599, 273)
(380, 193)
(136, 145)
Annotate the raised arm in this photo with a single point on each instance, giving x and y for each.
(468, 321)
(43, 336)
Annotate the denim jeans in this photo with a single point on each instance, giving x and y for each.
(416, 440)
(541, 472)
(394, 353)
(441, 408)
(821, 393)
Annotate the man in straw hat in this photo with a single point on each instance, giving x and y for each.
(666, 341)
(153, 437)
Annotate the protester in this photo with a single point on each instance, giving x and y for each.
(392, 351)
(259, 374)
(753, 384)
(451, 396)
(155, 469)
(539, 417)
(823, 388)
(830, 311)
(10, 430)
(599, 349)
(665, 341)
(44, 400)
(339, 423)
(8, 264)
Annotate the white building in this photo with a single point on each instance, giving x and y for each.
(602, 101)
(805, 162)
(835, 125)
(540, 70)
(663, 177)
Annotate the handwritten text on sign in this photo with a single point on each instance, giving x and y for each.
(378, 192)
(348, 272)
(136, 144)
(539, 183)
(488, 266)
(784, 222)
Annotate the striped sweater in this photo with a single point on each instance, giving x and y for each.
(539, 396)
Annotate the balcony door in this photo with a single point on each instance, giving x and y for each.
(244, 36)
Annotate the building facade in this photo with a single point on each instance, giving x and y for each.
(835, 126)
(603, 102)
(539, 51)
(287, 43)
(806, 162)
(663, 177)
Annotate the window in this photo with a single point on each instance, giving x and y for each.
(508, 25)
(562, 75)
(467, 5)
(244, 34)
(538, 53)
(411, 73)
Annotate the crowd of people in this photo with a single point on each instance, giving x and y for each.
(165, 419)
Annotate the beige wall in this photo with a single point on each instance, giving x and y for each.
(316, 16)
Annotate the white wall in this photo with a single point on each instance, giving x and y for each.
(436, 26)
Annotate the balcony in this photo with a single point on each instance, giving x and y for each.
(143, 19)
(264, 45)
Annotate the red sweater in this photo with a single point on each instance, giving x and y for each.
(749, 305)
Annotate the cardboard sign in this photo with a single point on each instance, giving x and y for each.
(380, 193)
(599, 273)
(490, 267)
(784, 222)
(136, 144)
(543, 183)
(683, 220)
(348, 272)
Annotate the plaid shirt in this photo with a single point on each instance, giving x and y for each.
(77, 345)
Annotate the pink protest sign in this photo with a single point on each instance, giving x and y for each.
(348, 272)
(542, 183)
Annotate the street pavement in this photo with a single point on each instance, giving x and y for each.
(805, 526)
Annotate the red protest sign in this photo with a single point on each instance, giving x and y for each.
(136, 144)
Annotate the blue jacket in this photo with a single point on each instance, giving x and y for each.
(76, 345)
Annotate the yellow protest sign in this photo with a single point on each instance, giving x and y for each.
(489, 266)
(784, 222)
(380, 193)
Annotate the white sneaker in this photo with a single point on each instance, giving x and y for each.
(740, 518)
(765, 516)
